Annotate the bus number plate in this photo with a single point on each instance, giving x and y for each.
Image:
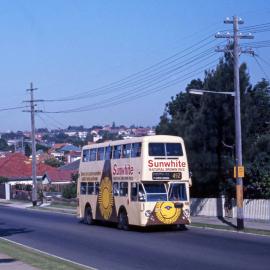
(166, 175)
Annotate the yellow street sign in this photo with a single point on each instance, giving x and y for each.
(241, 171)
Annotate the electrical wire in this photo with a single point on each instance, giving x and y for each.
(13, 108)
(261, 68)
(117, 101)
(128, 94)
(127, 81)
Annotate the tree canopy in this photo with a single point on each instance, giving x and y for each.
(206, 123)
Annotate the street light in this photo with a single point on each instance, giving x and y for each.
(239, 169)
(201, 92)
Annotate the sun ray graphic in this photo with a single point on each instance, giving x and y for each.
(105, 198)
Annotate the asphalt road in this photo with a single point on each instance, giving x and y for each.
(105, 247)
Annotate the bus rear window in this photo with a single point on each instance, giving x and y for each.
(165, 149)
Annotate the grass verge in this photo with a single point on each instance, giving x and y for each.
(35, 258)
(224, 227)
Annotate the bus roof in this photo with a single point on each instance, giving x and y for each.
(155, 138)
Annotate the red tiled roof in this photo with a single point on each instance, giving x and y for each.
(60, 175)
(19, 166)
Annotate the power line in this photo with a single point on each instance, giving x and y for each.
(119, 100)
(141, 74)
(263, 60)
(129, 95)
(12, 108)
(57, 123)
(158, 78)
(261, 68)
(146, 84)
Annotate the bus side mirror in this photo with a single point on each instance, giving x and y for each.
(190, 180)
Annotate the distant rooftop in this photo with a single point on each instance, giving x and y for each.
(69, 148)
(73, 166)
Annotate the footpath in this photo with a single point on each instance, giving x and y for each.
(230, 223)
(8, 263)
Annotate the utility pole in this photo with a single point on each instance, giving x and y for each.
(33, 140)
(23, 152)
(237, 109)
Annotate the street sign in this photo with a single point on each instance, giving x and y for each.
(241, 171)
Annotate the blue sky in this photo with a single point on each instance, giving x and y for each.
(66, 47)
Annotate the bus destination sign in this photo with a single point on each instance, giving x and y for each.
(166, 175)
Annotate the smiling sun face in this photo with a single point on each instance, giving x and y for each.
(105, 198)
(166, 212)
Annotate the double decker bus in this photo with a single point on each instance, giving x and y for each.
(141, 181)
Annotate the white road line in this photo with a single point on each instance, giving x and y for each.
(48, 254)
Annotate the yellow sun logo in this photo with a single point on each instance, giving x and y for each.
(166, 212)
(105, 198)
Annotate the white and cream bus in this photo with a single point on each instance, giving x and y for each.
(141, 181)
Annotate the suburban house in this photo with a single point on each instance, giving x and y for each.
(16, 177)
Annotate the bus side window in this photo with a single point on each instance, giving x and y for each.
(86, 154)
(126, 150)
(100, 153)
(134, 191)
(93, 154)
(123, 189)
(117, 151)
(96, 188)
(116, 189)
(83, 188)
(90, 188)
(136, 150)
(108, 153)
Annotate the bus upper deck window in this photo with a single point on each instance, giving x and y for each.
(156, 149)
(126, 150)
(93, 154)
(86, 155)
(100, 153)
(136, 150)
(174, 149)
(165, 149)
(108, 152)
(117, 151)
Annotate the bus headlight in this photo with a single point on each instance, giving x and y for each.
(147, 213)
(186, 213)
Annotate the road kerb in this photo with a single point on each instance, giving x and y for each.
(257, 232)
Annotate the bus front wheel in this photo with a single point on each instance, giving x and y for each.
(88, 216)
(123, 221)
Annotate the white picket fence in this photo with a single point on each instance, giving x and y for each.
(213, 207)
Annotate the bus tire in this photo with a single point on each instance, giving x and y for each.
(123, 220)
(88, 216)
(180, 227)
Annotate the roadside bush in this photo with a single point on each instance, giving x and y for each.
(69, 191)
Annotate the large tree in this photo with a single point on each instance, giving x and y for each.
(207, 125)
